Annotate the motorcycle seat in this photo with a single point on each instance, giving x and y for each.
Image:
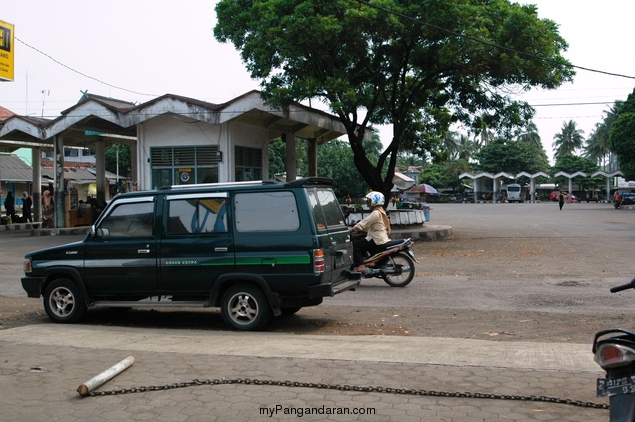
(392, 243)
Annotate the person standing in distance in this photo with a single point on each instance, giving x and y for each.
(561, 200)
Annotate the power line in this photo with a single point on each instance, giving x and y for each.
(489, 44)
(572, 104)
(83, 74)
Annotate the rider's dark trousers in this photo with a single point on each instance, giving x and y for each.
(360, 247)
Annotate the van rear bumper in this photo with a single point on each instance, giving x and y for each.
(332, 289)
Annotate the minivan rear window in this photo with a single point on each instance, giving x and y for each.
(330, 207)
(266, 212)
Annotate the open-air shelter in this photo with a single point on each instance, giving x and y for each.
(173, 139)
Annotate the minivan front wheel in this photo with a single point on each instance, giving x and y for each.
(63, 301)
(245, 307)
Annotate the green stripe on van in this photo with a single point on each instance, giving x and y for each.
(278, 260)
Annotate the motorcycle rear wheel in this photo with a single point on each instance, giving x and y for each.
(399, 270)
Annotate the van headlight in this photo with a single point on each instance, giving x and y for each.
(28, 265)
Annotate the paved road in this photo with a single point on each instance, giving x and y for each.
(43, 364)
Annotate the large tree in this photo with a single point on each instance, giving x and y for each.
(622, 137)
(570, 163)
(512, 157)
(419, 65)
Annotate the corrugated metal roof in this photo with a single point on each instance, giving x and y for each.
(13, 169)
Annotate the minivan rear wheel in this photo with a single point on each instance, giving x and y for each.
(63, 301)
(245, 307)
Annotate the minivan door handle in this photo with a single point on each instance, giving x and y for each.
(221, 249)
(143, 250)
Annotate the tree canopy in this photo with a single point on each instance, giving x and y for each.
(418, 65)
(621, 138)
(512, 157)
(570, 164)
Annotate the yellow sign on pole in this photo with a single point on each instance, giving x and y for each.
(6, 51)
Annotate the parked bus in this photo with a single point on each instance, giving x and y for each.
(515, 193)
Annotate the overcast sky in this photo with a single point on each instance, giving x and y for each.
(140, 49)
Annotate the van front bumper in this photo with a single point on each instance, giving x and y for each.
(32, 286)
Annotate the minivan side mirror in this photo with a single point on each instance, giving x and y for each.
(100, 232)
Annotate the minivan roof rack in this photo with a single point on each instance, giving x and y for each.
(223, 184)
(308, 181)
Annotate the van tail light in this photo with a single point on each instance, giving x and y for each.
(318, 261)
(611, 355)
(28, 265)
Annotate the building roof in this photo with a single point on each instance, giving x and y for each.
(119, 119)
(5, 113)
(13, 169)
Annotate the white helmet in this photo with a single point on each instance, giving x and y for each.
(376, 198)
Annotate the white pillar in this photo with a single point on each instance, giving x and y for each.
(60, 210)
(100, 170)
(290, 157)
(36, 188)
(532, 190)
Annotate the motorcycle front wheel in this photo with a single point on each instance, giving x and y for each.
(399, 270)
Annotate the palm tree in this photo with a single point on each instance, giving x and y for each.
(530, 134)
(466, 148)
(568, 140)
(482, 131)
(450, 143)
(597, 146)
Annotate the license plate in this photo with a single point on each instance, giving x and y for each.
(614, 387)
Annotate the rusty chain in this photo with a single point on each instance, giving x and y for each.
(345, 387)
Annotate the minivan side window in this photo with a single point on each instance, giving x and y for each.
(197, 215)
(130, 219)
(266, 212)
(332, 211)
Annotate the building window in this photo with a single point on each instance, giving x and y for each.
(248, 163)
(184, 165)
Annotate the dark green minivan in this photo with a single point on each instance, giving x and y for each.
(254, 249)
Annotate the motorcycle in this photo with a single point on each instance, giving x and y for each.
(614, 351)
(394, 262)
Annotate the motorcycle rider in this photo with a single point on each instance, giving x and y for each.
(377, 227)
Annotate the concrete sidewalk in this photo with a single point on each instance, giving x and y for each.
(42, 366)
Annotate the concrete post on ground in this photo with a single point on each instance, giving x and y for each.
(104, 377)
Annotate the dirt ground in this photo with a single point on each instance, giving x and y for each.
(462, 255)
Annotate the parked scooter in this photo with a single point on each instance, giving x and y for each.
(394, 262)
(614, 351)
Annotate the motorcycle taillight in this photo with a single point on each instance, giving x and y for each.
(611, 355)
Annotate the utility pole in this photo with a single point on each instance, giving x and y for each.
(26, 102)
(45, 93)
